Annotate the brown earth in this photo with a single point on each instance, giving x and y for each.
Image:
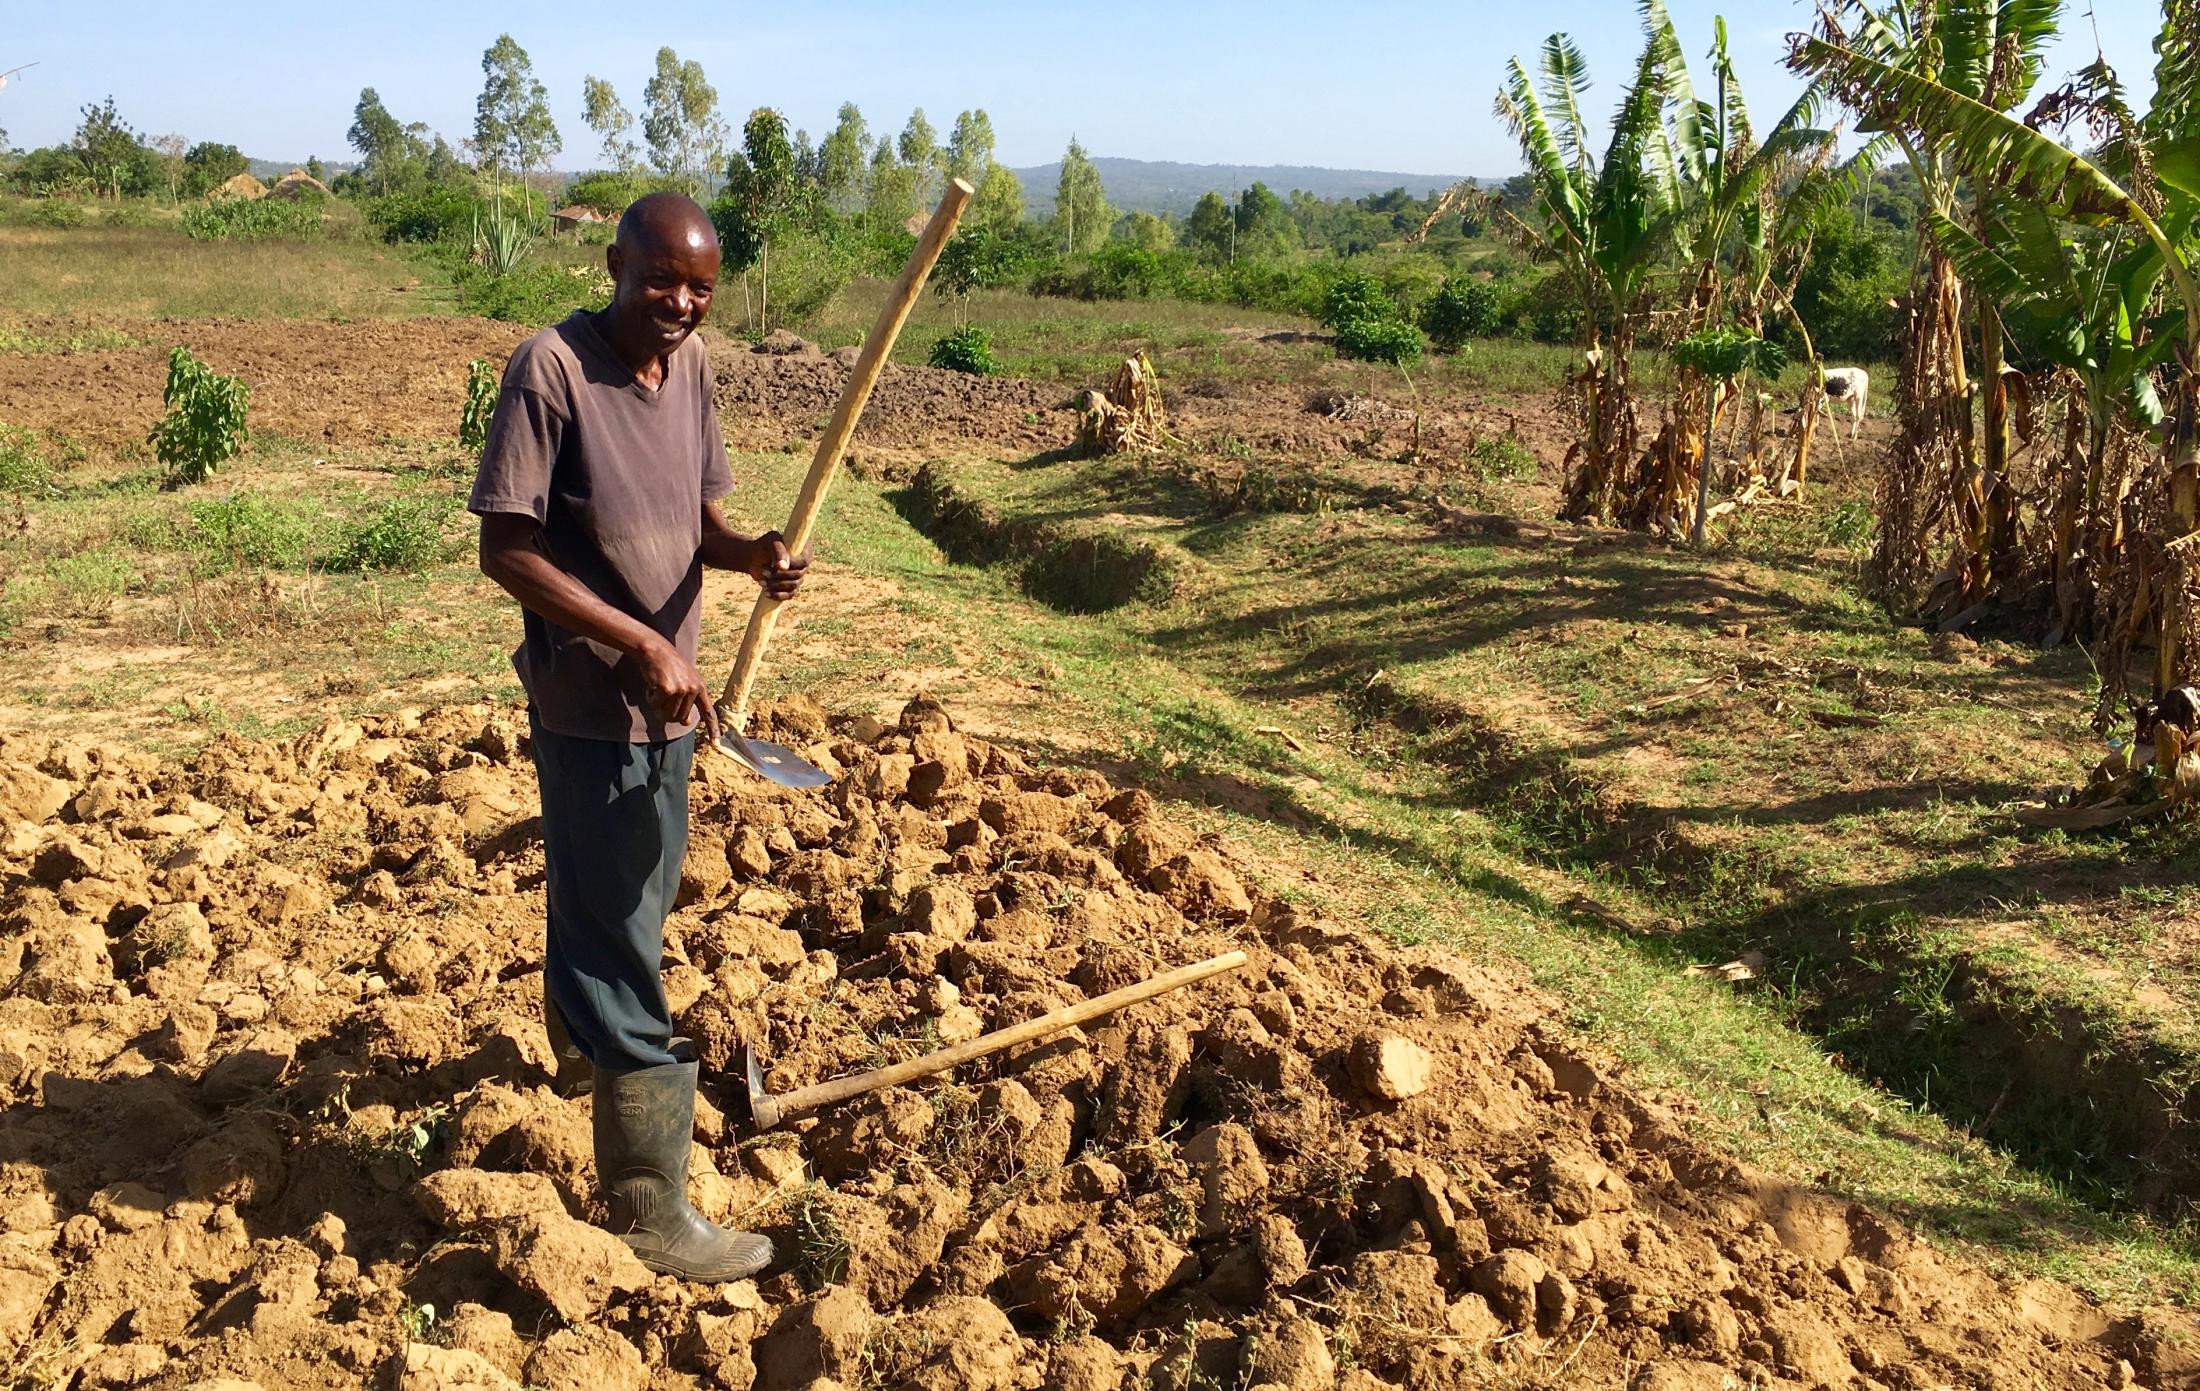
(370, 381)
(273, 1081)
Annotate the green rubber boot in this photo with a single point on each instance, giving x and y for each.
(645, 1128)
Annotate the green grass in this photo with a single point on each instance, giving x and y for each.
(1750, 749)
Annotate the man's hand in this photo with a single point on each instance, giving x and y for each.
(675, 687)
(772, 566)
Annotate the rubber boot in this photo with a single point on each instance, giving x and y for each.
(645, 1131)
(573, 1074)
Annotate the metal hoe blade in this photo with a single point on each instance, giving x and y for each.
(762, 1109)
(766, 759)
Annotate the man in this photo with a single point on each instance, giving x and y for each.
(597, 497)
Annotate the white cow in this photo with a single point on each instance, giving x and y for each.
(1850, 384)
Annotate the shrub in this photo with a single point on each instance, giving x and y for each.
(1379, 340)
(23, 467)
(252, 219)
(535, 293)
(430, 215)
(1354, 296)
(406, 533)
(1464, 309)
(58, 212)
(245, 529)
(205, 423)
(966, 350)
(481, 403)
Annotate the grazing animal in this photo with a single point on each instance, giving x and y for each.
(1850, 384)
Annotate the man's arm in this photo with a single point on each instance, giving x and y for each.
(515, 554)
(764, 559)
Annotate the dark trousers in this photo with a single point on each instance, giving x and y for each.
(614, 830)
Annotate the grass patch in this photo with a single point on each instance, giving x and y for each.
(158, 272)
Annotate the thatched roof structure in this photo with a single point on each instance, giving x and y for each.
(238, 186)
(295, 182)
(567, 218)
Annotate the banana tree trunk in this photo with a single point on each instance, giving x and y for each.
(2172, 654)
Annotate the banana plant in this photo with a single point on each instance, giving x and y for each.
(1720, 355)
(1944, 472)
(1722, 167)
(2155, 200)
(1603, 223)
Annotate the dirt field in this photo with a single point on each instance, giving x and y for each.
(275, 1094)
(378, 380)
(274, 1083)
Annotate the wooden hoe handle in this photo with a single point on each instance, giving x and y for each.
(1068, 1017)
(733, 706)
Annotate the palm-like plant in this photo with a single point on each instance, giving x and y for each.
(1718, 356)
(2156, 197)
(1721, 222)
(1602, 223)
(1941, 477)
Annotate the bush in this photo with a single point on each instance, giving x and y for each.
(535, 293)
(1379, 340)
(23, 467)
(252, 219)
(1547, 310)
(58, 212)
(1464, 309)
(1355, 296)
(245, 529)
(430, 215)
(406, 533)
(205, 423)
(966, 350)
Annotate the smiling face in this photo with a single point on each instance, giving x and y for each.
(663, 267)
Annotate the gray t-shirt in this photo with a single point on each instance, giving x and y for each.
(617, 474)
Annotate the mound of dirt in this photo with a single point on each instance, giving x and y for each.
(779, 395)
(274, 1085)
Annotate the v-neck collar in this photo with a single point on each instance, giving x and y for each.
(611, 355)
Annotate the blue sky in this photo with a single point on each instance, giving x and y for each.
(1399, 86)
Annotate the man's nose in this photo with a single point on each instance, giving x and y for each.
(683, 300)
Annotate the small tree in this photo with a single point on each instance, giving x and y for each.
(999, 203)
(613, 123)
(919, 147)
(205, 423)
(843, 156)
(108, 146)
(759, 199)
(1082, 216)
(680, 120)
(1211, 230)
(1721, 355)
(513, 128)
(207, 166)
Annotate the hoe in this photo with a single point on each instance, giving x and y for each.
(776, 761)
(768, 1111)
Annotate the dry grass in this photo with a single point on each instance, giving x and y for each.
(156, 272)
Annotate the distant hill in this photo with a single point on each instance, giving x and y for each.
(1158, 186)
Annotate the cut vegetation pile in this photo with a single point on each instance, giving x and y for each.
(276, 1110)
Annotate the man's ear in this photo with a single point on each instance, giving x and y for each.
(612, 260)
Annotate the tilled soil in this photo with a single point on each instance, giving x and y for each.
(362, 383)
(274, 1084)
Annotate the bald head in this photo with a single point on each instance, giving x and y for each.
(664, 268)
(663, 221)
